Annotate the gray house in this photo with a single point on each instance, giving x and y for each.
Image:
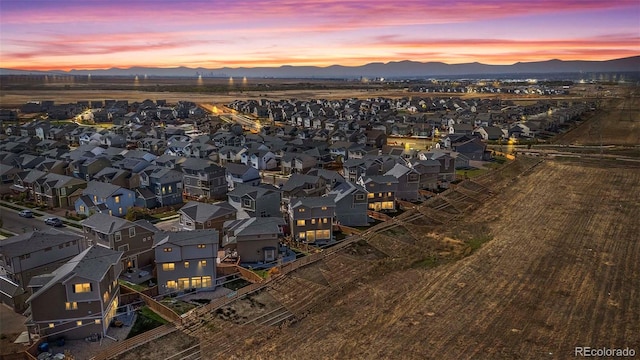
(408, 182)
(311, 219)
(203, 179)
(133, 238)
(79, 298)
(197, 216)
(381, 191)
(241, 174)
(186, 260)
(253, 240)
(34, 253)
(256, 201)
(351, 204)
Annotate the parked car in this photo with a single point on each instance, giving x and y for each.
(53, 221)
(26, 213)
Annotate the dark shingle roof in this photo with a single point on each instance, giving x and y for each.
(34, 241)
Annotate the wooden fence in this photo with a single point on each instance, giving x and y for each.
(161, 309)
(249, 275)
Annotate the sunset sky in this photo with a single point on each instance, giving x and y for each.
(96, 34)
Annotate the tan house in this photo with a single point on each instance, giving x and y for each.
(78, 299)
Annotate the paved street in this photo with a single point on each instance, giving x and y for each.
(14, 223)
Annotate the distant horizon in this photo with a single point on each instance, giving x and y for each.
(99, 34)
(173, 67)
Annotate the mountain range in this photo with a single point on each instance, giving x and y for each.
(401, 69)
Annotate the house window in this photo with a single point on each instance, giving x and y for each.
(132, 232)
(183, 283)
(105, 296)
(167, 249)
(168, 266)
(186, 181)
(387, 205)
(97, 321)
(196, 282)
(379, 194)
(301, 210)
(323, 208)
(186, 264)
(202, 263)
(82, 288)
(201, 246)
(63, 191)
(81, 208)
(117, 199)
(313, 221)
(79, 323)
(300, 223)
(388, 194)
(71, 305)
(124, 247)
(359, 196)
(246, 202)
(302, 235)
(206, 281)
(325, 220)
(118, 236)
(171, 284)
(51, 325)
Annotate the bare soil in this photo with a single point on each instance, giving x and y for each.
(561, 271)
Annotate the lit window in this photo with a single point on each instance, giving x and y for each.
(325, 220)
(81, 208)
(206, 281)
(203, 263)
(301, 235)
(324, 208)
(168, 267)
(371, 195)
(301, 210)
(186, 264)
(388, 194)
(51, 326)
(167, 249)
(82, 288)
(105, 296)
(71, 305)
(97, 322)
(171, 284)
(117, 199)
(313, 221)
(201, 246)
(79, 323)
(300, 222)
(379, 194)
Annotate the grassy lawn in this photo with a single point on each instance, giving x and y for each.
(146, 320)
(178, 306)
(131, 285)
(163, 214)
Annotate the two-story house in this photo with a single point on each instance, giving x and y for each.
(133, 238)
(351, 204)
(428, 171)
(164, 183)
(54, 190)
(256, 201)
(104, 197)
(381, 191)
(30, 254)
(196, 215)
(253, 240)
(203, 179)
(311, 219)
(186, 260)
(241, 174)
(79, 298)
(408, 182)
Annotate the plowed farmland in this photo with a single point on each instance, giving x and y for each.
(562, 270)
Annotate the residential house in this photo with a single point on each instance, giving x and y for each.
(30, 254)
(253, 240)
(202, 179)
(186, 260)
(164, 183)
(104, 197)
(381, 191)
(301, 185)
(54, 190)
(241, 174)
(408, 182)
(256, 201)
(78, 299)
(311, 219)
(196, 215)
(297, 163)
(133, 238)
(474, 149)
(351, 204)
(428, 171)
(489, 133)
(7, 175)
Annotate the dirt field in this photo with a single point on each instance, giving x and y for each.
(561, 271)
(614, 125)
